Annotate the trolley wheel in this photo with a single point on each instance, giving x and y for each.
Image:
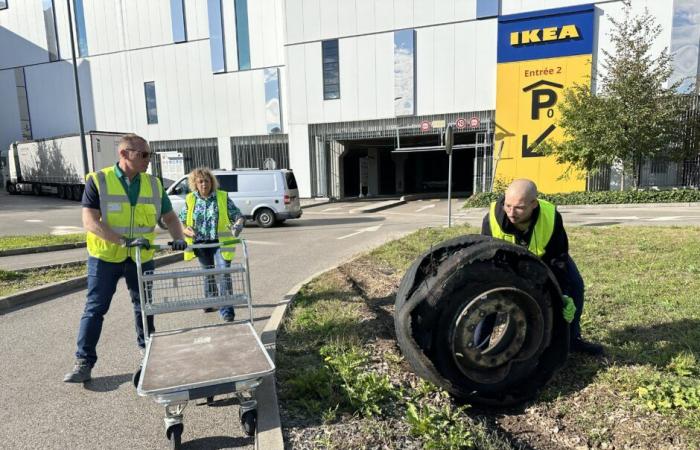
(249, 420)
(136, 377)
(174, 434)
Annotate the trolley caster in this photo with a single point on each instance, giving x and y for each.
(174, 435)
(136, 377)
(249, 420)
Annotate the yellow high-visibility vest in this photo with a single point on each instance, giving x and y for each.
(127, 220)
(223, 227)
(544, 228)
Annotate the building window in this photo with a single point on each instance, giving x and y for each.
(216, 36)
(25, 119)
(685, 35)
(242, 35)
(79, 14)
(331, 72)
(177, 16)
(273, 109)
(487, 8)
(3, 4)
(149, 88)
(50, 27)
(404, 72)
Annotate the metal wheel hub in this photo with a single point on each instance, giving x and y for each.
(494, 328)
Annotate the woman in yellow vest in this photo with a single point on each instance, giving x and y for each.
(210, 216)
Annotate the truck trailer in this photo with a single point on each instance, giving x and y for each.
(55, 165)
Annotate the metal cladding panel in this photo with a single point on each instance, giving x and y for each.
(546, 34)
(329, 19)
(10, 130)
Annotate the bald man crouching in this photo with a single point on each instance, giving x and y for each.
(521, 218)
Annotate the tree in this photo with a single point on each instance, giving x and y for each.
(635, 113)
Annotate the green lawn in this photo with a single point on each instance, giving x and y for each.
(38, 240)
(11, 282)
(338, 364)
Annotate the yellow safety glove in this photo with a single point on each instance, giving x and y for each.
(569, 309)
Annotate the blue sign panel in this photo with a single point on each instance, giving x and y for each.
(546, 34)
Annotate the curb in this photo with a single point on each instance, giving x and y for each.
(269, 430)
(455, 196)
(617, 205)
(52, 290)
(45, 248)
(313, 205)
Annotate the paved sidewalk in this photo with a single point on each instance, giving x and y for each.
(35, 260)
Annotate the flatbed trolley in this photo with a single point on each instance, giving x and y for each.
(200, 362)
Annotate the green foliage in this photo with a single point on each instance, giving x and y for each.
(483, 200)
(11, 282)
(668, 393)
(440, 427)
(39, 240)
(634, 115)
(367, 392)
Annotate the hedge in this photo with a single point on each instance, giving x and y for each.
(482, 200)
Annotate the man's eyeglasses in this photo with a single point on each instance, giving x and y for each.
(144, 155)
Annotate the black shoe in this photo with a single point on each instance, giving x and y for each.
(209, 309)
(578, 345)
(81, 372)
(228, 317)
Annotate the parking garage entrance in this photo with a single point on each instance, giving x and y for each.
(400, 156)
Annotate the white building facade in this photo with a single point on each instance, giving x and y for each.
(350, 94)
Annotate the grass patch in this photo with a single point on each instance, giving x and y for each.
(12, 282)
(39, 240)
(642, 292)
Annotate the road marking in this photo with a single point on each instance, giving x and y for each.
(65, 229)
(362, 230)
(423, 208)
(34, 220)
(666, 218)
(261, 242)
(613, 218)
(332, 209)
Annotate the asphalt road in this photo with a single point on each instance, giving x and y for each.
(40, 411)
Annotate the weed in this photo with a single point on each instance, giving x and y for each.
(440, 427)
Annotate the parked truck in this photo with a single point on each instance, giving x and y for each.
(55, 165)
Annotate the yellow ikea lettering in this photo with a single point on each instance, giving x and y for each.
(548, 34)
(568, 32)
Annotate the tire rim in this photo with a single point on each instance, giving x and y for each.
(265, 218)
(516, 335)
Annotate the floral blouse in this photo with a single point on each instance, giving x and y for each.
(206, 216)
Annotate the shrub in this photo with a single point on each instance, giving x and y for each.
(484, 199)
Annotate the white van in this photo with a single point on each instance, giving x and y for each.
(266, 196)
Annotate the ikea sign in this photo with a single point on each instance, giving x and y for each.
(544, 35)
(550, 33)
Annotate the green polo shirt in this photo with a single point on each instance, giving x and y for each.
(132, 190)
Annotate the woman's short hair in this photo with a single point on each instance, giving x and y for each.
(202, 172)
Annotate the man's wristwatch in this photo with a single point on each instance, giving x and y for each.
(122, 241)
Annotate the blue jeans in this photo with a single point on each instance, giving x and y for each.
(215, 284)
(576, 292)
(102, 279)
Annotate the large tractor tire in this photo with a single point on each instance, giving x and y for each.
(481, 318)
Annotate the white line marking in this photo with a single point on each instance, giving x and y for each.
(362, 230)
(423, 208)
(332, 209)
(261, 242)
(666, 218)
(33, 220)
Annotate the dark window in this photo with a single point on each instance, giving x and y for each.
(80, 27)
(151, 107)
(3, 4)
(177, 16)
(291, 181)
(331, 69)
(228, 183)
(182, 188)
(242, 34)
